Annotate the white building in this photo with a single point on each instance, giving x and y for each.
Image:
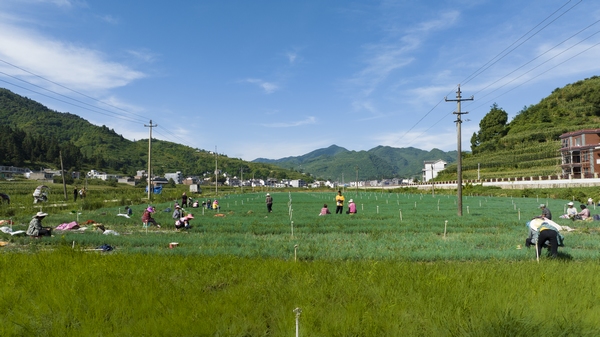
(177, 177)
(297, 183)
(432, 168)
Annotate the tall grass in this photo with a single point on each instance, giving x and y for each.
(73, 293)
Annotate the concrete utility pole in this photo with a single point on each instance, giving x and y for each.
(356, 167)
(458, 114)
(150, 126)
(216, 173)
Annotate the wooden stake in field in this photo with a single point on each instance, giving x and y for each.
(295, 252)
(297, 311)
(519, 214)
(292, 229)
(400, 214)
(377, 209)
(445, 225)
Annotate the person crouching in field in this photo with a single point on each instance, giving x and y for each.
(351, 207)
(147, 217)
(35, 226)
(583, 215)
(184, 222)
(177, 213)
(544, 233)
(324, 210)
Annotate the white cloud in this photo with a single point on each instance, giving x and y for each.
(268, 87)
(291, 57)
(442, 137)
(109, 19)
(308, 120)
(384, 58)
(73, 66)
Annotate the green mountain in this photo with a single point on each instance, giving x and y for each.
(337, 163)
(529, 144)
(33, 135)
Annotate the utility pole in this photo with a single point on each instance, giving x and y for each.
(432, 183)
(356, 167)
(150, 126)
(458, 121)
(242, 179)
(216, 173)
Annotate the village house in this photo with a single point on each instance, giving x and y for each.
(432, 168)
(580, 153)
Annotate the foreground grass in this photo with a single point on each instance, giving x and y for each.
(68, 292)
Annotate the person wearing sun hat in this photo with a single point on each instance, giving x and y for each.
(184, 222)
(147, 217)
(571, 211)
(351, 207)
(177, 213)
(269, 202)
(35, 226)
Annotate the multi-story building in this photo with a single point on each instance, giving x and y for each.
(580, 153)
(432, 168)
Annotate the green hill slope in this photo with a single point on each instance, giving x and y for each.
(32, 135)
(529, 145)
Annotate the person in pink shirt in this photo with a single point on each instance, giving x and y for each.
(324, 210)
(351, 207)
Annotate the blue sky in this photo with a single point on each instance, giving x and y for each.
(282, 78)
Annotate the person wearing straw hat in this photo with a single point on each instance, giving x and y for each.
(35, 226)
(351, 207)
(269, 202)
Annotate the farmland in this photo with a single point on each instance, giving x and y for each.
(406, 264)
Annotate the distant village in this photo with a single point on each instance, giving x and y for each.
(430, 171)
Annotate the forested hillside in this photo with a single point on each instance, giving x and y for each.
(529, 144)
(32, 135)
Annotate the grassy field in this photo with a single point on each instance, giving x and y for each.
(406, 264)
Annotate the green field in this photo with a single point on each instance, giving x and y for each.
(406, 264)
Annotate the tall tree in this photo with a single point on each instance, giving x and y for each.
(492, 125)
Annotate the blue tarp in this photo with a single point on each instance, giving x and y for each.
(156, 190)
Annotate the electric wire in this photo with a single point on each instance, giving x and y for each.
(72, 90)
(70, 103)
(537, 57)
(487, 65)
(67, 97)
(497, 58)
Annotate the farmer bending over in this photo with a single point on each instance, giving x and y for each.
(544, 233)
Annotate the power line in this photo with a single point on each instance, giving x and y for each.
(72, 90)
(497, 58)
(67, 97)
(71, 103)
